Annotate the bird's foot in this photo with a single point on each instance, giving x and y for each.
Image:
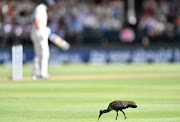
(125, 118)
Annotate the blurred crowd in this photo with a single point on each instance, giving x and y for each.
(90, 20)
(69, 18)
(15, 20)
(81, 20)
(160, 19)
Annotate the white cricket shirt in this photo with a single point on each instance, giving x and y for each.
(40, 13)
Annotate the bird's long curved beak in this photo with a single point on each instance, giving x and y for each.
(99, 116)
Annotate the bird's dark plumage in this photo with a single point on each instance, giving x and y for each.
(118, 105)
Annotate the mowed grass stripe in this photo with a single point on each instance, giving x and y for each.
(85, 69)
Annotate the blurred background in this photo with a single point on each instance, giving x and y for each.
(99, 31)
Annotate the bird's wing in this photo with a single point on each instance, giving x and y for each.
(118, 105)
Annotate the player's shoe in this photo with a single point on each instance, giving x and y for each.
(34, 77)
(45, 77)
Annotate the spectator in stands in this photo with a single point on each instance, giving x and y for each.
(9, 11)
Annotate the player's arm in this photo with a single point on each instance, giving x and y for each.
(37, 23)
(39, 32)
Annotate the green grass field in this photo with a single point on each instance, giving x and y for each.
(76, 93)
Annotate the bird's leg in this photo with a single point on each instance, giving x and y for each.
(116, 115)
(124, 114)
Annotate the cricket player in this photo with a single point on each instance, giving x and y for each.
(39, 35)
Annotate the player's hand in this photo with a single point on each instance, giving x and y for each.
(43, 33)
(48, 31)
(39, 34)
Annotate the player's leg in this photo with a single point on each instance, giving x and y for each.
(44, 58)
(36, 63)
(37, 53)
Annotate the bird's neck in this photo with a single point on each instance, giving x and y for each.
(106, 111)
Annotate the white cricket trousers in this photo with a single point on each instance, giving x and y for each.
(41, 49)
